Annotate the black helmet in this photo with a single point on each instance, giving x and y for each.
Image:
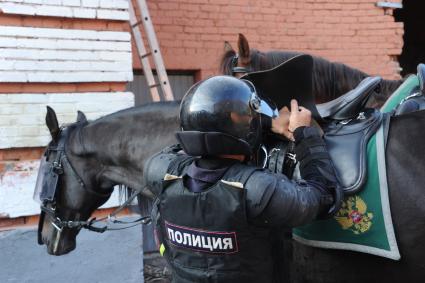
(220, 115)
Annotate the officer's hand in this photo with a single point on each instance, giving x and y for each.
(280, 124)
(299, 117)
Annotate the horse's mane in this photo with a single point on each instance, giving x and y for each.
(143, 109)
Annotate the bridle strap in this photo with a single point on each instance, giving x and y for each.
(236, 69)
(40, 227)
(61, 159)
(111, 218)
(243, 70)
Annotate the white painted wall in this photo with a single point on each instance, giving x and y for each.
(22, 115)
(64, 55)
(22, 123)
(17, 187)
(87, 9)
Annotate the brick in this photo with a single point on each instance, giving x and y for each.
(14, 8)
(53, 11)
(112, 15)
(20, 154)
(84, 13)
(75, 3)
(28, 98)
(6, 76)
(32, 1)
(168, 6)
(92, 87)
(90, 3)
(113, 4)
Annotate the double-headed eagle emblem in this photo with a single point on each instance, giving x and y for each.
(353, 215)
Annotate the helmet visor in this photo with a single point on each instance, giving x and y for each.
(268, 109)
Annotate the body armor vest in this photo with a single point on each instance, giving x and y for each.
(206, 236)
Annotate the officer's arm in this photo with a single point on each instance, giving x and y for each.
(156, 167)
(315, 164)
(278, 201)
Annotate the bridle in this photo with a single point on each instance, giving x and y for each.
(235, 68)
(49, 189)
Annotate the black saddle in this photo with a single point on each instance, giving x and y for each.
(349, 105)
(347, 145)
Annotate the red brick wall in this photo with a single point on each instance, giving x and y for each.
(355, 32)
(8, 157)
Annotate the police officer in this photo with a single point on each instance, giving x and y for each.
(214, 212)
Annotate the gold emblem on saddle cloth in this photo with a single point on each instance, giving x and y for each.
(353, 215)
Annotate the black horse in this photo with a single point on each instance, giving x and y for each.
(97, 156)
(330, 79)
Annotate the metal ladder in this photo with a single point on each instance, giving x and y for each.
(154, 52)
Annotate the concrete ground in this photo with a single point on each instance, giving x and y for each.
(114, 256)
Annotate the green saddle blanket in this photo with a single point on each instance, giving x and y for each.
(364, 222)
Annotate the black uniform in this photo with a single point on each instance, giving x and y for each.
(219, 230)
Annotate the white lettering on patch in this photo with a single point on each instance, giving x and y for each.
(202, 240)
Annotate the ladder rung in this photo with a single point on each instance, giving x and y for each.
(136, 24)
(154, 85)
(146, 55)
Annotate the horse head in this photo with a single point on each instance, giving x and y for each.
(245, 60)
(67, 186)
(84, 161)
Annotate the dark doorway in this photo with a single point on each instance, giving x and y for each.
(180, 82)
(412, 15)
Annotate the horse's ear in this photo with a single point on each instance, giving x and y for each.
(228, 47)
(52, 123)
(243, 46)
(81, 117)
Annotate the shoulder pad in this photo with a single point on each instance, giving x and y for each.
(260, 187)
(157, 167)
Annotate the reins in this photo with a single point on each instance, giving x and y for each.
(110, 218)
